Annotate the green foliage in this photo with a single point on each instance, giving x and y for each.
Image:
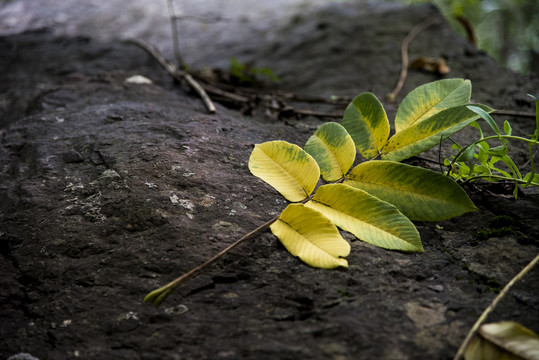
(333, 149)
(427, 115)
(482, 160)
(313, 238)
(418, 193)
(375, 200)
(249, 75)
(507, 30)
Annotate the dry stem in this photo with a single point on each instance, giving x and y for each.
(404, 53)
(491, 307)
(157, 296)
(176, 73)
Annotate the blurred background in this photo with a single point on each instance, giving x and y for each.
(508, 30)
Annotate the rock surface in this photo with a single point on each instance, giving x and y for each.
(110, 189)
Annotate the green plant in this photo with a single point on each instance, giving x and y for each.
(247, 74)
(481, 160)
(375, 200)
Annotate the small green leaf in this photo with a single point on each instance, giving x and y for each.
(366, 121)
(333, 149)
(534, 179)
(499, 151)
(425, 134)
(507, 128)
(482, 155)
(485, 116)
(475, 124)
(418, 193)
(367, 217)
(312, 237)
(286, 167)
(467, 155)
(464, 170)
(506, 340)
(429, 99)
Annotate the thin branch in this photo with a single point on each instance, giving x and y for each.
(404, 53)
(316, 113)
(532, 156)
(157, 296)
(242, 95)
(175, 36)
(208, 19)
(468, 28)
(491, 307)
(514, 113)
(177, 74)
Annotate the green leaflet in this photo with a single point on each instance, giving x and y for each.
(425, 134)
(286, 167)
(429, 99)
(418, 193)
(367, 217)
(310, 236)
(366, 121)
(333, 149)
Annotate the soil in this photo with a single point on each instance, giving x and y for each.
(110, 189)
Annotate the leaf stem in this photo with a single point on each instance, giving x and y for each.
(493, 137)
(498, 177)
(157, 296)
(491, 307)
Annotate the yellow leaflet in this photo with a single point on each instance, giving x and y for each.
(286, 167)
(310, 236)
(367, 217)
(333, 149)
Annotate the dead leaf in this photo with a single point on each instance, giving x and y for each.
(433, 65)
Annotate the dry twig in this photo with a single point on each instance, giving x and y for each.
(404, 53)
(177, 74)
(490, 308)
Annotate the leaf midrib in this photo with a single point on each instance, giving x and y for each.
(283, 170)
(370, 226)
(423, 114)
(307, 240)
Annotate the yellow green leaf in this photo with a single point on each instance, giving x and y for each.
(367, 217)
(366, 121)
(312, 237)
(425, 134)
(286, 167)
(505, 340)
(429, 99)
(333, 149)
(418, 193)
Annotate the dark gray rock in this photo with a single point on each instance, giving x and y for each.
(109, 190)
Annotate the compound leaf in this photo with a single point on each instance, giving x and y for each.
(333, 149)
(312, 237)
(418, 193)
(286, 167)
(429, 99)
(367, 217)
(425, 134)
(366, 121)
(505, 340)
